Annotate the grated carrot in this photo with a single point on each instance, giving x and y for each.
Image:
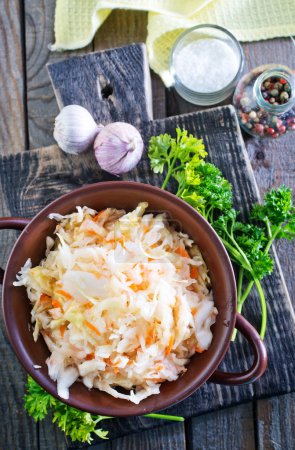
(88, 305)
(90, 356)
(169, 348)
(139, 287)
(194, 272)
(194, 310)
(45, 298)
(182, 252)
(64, 294)
(95, 218)
(198, 349)
(116, 370)
(91, 233)
(150, 336)
(56, 303)
(62, 330)
(92, 327)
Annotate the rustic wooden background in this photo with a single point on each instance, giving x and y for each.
(28, 108)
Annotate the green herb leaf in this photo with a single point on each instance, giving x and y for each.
(76, 424)
(37, 401)
(172, 154)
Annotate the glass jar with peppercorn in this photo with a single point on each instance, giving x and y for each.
(265, 101)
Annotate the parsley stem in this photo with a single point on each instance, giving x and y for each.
(169, 172)
(240, 282)
(241, 300)
(274, 235)
(165, 417)
(263, 308)
(246, 292)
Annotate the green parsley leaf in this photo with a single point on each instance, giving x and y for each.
(76, 424)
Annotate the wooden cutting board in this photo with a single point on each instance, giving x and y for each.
(30, 180)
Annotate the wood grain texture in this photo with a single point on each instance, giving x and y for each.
(114, 85)
(170, 437)
(12, 92)
(120, 28)
(41, 103)
(17, 430)
(125, 27)
(50, 436)
(275, 423)
(210, 431)
(43, 175)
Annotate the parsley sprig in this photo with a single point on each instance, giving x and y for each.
(203, 186)
(77, 425)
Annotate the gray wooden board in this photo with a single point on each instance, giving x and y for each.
(114, 85)
(171, 437)
(275, 423)
(30, 180)
(209, 431)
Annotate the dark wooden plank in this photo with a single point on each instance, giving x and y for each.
(170, 437)
(44, 174)
(120, 28)
(12, 94)
(50, 436)
(275, 423)
(114, 85)
(125, 27)
(227, 429)
(41, 103)
(17, 430)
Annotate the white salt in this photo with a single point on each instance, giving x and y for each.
(206, 65)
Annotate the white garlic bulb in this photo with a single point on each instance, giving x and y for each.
(75, 129)
(118, 147)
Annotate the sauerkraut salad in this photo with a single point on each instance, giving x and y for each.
(122, 300)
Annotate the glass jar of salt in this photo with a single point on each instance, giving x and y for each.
(265, 101)
(205, 64)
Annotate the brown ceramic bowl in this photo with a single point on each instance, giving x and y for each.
(202, 367)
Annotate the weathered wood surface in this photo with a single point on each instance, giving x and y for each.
(124, 27)
(41, 103)
(170, 437)
(275, 423)
(13, 133)
(45, 174)
(16, 430)
(113, 85)
(207, 432)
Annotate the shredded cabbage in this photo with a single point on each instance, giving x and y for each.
(121, 300)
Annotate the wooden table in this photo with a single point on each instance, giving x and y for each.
(28, 108)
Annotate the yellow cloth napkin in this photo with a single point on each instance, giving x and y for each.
(76, 22)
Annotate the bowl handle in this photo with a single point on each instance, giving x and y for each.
(11, 223)
(260, 358)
